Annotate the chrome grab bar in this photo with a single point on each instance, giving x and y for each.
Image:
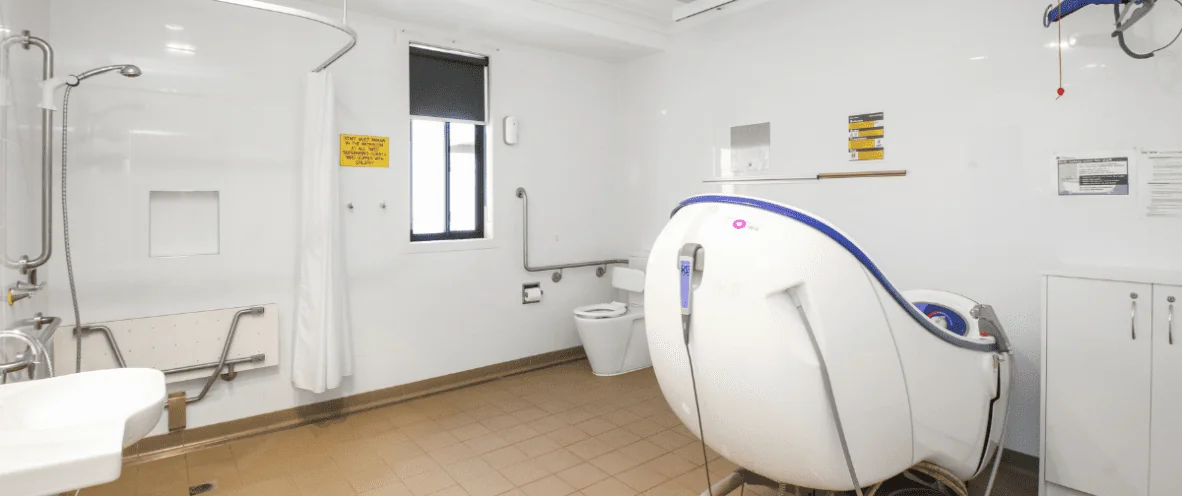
(110, 341)
(29, 362)
(221, 363)
(38, 350)
(24, 361)
(39, 321)
(525, 248)
(229, 365)
(27, 40)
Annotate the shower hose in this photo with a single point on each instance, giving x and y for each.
(66, 229)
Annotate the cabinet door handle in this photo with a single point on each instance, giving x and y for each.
(1134, 320)
(1170, 320)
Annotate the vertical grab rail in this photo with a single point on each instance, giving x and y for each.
(27, 40)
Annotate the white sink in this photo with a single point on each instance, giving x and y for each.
(69, 432)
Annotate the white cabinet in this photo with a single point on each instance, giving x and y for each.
(1165, 468)
(1097, 365)
(1112, 384)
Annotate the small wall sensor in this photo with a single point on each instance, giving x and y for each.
(511, 131)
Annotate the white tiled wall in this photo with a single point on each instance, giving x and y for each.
(968, 89)
(224, 114)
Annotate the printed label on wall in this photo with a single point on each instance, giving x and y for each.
(1093, 176)
(867, 135)
(365, 151)
(1161, 192)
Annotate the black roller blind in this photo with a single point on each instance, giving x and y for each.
(447, 85)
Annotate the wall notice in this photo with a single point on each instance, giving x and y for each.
(1093, 176)
(867, 133)
(1162, 191)
(365, 151)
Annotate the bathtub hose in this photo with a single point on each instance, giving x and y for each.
(687, 260)
(66, 230)
(1001, 438)
(701, 432)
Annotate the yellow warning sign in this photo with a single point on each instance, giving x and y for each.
(867, 137)
(365, 151)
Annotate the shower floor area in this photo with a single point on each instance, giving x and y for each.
(551, 432)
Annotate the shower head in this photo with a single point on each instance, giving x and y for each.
(126, 70)
(49, 86)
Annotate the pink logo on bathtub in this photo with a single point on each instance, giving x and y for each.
(739, 224)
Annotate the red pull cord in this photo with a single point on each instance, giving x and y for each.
(1061, 91)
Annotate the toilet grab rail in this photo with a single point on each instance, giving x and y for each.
(557, 267)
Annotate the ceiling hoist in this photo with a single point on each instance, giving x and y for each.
(1127, 13)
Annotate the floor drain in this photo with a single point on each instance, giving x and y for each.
(201, 489)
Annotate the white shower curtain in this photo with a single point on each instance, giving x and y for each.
(323, 344)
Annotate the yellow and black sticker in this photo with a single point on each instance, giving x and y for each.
(867, 133)
(865, 144)
(867, 136)
(872, 154)
(365, 151)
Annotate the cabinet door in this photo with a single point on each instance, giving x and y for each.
(1166, 442)
(1099, 345)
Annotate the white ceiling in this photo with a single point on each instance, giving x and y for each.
(606, 29)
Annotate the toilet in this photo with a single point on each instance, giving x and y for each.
(613, 333)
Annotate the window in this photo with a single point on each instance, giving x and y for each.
(447, 141)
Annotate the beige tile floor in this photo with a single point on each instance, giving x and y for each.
(552, 432)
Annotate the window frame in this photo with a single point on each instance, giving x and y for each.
(480, 151)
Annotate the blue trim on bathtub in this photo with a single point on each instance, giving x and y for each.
(853, 249)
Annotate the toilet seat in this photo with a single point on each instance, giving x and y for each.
(602, 310)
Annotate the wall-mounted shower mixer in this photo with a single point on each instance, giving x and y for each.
(25, 289)
(22, 290)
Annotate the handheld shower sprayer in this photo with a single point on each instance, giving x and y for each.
(49, 86)
(126, 70)
(47, 90)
